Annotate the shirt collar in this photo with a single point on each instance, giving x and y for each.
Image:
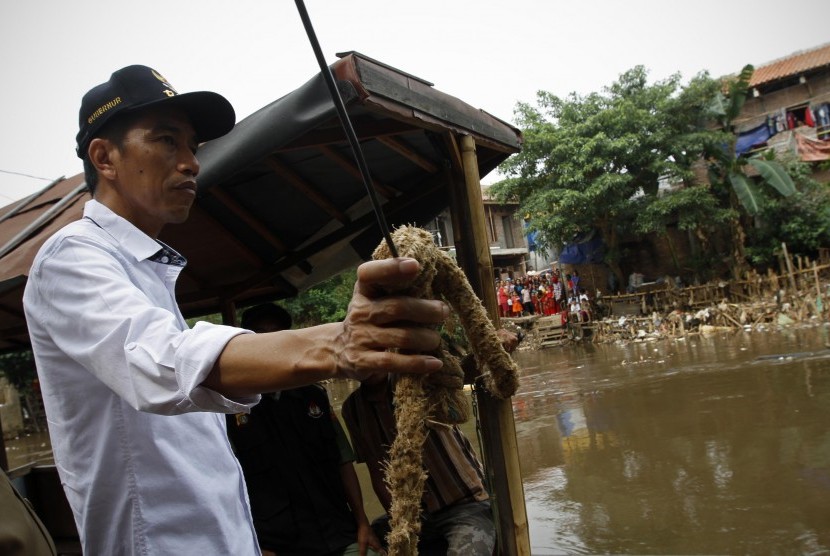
(132, 240)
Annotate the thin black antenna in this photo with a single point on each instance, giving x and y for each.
(347, 126)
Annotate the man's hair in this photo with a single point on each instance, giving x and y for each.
(266, 311)
(114, 131)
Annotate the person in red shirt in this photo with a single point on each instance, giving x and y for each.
(501, 294)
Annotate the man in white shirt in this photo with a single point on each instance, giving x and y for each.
(133, 396)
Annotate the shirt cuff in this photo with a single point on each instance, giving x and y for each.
(196, 358)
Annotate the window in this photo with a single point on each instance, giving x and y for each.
(507, 224)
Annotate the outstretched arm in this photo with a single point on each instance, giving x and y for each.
(356, 348)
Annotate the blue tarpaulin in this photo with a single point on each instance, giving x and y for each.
(754, 136)
(531, 238)
(587, 249)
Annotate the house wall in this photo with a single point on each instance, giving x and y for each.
(817, 89)
(504, 231)
(788, 95)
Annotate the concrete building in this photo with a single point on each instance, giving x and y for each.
(788, 108)
(512, 255)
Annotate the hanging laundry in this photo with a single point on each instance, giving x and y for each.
(823, 114)
(771, 125)
(780, 120)
(808, 117)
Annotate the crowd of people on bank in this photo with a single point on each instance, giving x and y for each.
(543, 294)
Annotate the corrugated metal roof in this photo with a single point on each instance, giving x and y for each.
(794, 64)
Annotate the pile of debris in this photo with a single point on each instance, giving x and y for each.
(759, 302)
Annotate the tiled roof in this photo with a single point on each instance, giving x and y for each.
(794, 64)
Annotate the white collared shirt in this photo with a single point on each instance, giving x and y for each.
(139, 444)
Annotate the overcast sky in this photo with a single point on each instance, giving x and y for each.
(491, 54)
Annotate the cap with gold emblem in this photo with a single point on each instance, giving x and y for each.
(133, 87)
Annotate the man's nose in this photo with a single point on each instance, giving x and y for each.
(188, 163)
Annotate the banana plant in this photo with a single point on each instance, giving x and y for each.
(726, 108)
(730, 169)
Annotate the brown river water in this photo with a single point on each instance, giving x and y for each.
(716, 444)
(707, 445)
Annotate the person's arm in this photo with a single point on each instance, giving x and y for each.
(356, 348)
(509, 341)
(351, 485)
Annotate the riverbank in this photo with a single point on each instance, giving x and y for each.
(760, 302)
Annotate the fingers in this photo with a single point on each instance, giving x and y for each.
(370, 305)
(509, 340)
(377, 323)
(398, 309)
(373, 276)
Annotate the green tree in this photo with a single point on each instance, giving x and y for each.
(326, 302)
(692, 209)
(19, 368)
(596, 162)
(323, 303)
(801, 220)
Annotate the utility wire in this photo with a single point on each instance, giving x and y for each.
(25, 175)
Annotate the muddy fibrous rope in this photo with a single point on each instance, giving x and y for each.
(439, 396)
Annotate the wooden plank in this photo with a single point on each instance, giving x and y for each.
(407, 152)
(293, 179)
(350, 167)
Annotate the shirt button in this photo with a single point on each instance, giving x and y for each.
(165, 259)
(131, 346)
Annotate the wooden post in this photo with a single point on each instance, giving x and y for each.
(229, 313)
(4, 462)
(789, 270)
(500, 448)
(819, 300)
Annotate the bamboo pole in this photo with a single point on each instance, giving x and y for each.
(800, 273)
(789, 268)
(819, 300)
(4, 462)
(500, 447)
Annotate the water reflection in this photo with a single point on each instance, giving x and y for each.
(706, 445)
(28, 449)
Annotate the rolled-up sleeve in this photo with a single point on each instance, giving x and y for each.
(195, 358)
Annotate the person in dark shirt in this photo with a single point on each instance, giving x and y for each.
(304, 492)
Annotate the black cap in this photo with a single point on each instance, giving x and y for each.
(211, 115)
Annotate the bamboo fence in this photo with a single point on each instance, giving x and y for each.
(799, 293)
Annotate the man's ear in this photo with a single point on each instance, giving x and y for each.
(101, 154)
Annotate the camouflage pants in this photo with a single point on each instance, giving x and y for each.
(460, 530)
